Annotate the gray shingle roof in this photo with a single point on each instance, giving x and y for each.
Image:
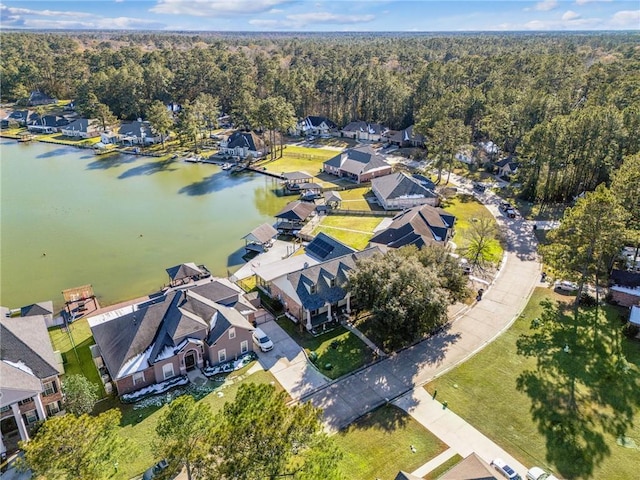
(245, 139)
(321, 274)
(26, 340)
(360, 126)
(226, 317)
(324, 247)
(398, 185)
(296, 211)
(137, 129)
(184, 270)
(419, 226)
(80, 125)
(41, 308)
(296, 176)
(358, 160)
(261, 234)
(315, 121)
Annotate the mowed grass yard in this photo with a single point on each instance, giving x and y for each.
(82, 363)
(484, 392)
(466, 208)
(348, 354)
(379, 445)
(297, 158)
(139, 426)
(355, 231)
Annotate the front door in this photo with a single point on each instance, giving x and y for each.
(190, 360)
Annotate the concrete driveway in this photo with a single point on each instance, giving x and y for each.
(288, 363)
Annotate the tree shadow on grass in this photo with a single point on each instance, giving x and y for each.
(583, 391)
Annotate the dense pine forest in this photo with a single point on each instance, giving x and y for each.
(567, 105)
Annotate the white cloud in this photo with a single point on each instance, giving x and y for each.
(215, 8)
(626, 18)
(545, 5)
(301, 20)
(41, 13)
(570, 15)
(584, 2)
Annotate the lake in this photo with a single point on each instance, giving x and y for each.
(69, 217)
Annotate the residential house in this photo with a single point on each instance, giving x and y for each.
(166, 337)
(359, 130)
(81, 128)
(313, 125)
(19, 118)
(47, 124)
(37, 98)
(322, 248)
(315, 294)
(138, 133)
(399, 191)
(405, 138)
(43, 309)
(471, 468)
(624, 288)
(243, 144)
(109, 137)
(506, 167)
(30, 390)
(419, 226)
(359, 164)
(293, 217)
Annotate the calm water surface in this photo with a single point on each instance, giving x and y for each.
(69, 218)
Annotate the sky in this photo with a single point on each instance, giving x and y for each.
(322, 15)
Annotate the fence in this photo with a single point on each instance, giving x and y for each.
(362, 213)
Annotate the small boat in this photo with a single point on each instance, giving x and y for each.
(227, 166)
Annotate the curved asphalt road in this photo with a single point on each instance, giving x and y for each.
(348, 398)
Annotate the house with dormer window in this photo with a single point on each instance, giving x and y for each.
(315, 295)
(155, 341)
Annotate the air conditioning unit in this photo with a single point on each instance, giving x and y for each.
(108, 388)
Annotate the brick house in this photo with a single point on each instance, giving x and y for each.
(624, 288)
(167, 337)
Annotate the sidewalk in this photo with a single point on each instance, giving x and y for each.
(453, 430)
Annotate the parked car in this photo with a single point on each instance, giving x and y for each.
(565, 286)
(510, 212)
(536, 473)
(505, 206)
(152, 472)
(262, 340)
(479, 187)
(501, 466)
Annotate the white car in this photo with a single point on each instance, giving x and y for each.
(501, 466)
(262, 340)
(565, 286)
(536, 473)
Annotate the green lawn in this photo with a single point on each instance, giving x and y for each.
(355, 231)
(345, 355)
(296, 158)
(484, 391)
(139, 425)
(83, 362)
(466, 208)
(442, 469)
(379, 445)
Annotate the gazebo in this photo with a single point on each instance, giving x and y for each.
(295, 181)
(293, 216)
(260, 238)
(185, 273)
(332, 199)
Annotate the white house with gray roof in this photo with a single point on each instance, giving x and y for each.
(359, 130)
(30, 389)
(138, 133)
(399, 191)
(359, 164)
(243, 144)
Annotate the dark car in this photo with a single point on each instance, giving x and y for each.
(152, 472)
(479, 187)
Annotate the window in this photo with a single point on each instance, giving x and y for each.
(332, 282)
(313, 289)
(244, 346)
(232, 333)
(50, 388)
(25, 401)
(222, 355)
(4, 409)
(138, 377)
(167, 370)
(31, 417)
(52, 408)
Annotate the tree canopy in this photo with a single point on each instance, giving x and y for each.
(72, 447)
(80, 395)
